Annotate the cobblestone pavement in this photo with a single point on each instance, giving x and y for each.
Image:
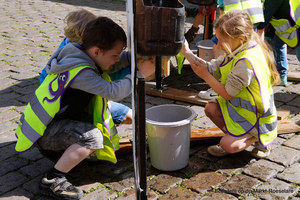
(31, 31)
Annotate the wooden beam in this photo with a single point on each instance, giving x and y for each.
(202, 136)
(282, 114)
(293, 76)
(176, 94)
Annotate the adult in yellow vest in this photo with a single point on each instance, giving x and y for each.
(245, 109)
(282, 18)
(69, 110)
(252, 7)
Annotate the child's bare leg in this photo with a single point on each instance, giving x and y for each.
(213, 112)
(229, 143)
(233, 144)
(128, 118)
(72, 157)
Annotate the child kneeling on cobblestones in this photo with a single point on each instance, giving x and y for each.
(245, 110)
(69, 110)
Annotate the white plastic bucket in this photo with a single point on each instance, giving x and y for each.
(169, 130)
(205, 49)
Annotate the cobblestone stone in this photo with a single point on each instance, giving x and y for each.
(291, 174)
(163, 182)
(275, 189)
(293, 142)
(240, 185)
(203, 182)
(11, 181)
(284, 155)
(263, 169)
(31, 32)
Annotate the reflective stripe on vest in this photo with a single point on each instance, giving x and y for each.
(252, 7)
(286, 32)
(295, 11)
(252, 106)
(42, 108)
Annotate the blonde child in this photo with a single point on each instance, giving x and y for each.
(76, 22)
(245, 109)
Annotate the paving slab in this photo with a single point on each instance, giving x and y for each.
(11, 181)
(31, 32)
(275, 189)
(100, 194)
(263, 169)
(204, 181)
(17, 194)
(293, 142)
(284, 155)
(7, 126)
(227, 166)
(33, 185)
(284, 97)
(195, 165)
(240, 185)
(131, 195)
(37, 168)
(219, 195)
(11, 164)
(179, 193)
(291, 174)
(89, 181)
(122, 183)
(7, 138)
(163, 182)
(31, 154)
(7, 151)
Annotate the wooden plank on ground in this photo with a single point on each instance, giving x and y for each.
(201, 136)
(282, 114)
(176, 94)
(293, 76)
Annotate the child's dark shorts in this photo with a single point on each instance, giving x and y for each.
(60, 134)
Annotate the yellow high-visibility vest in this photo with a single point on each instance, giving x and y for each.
(46, 103)
(254, 105)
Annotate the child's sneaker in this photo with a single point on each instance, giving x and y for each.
(217, 151)
(60, 188)
(210, 94)
(283, 80)
(261, 153)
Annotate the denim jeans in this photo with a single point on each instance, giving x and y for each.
(298, 51)
(280, 54)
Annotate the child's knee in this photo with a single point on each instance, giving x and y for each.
(210, 109)
(228, 147)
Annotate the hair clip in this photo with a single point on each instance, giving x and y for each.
(215, 40)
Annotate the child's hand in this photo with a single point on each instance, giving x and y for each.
(147, 67)
(199, 67)
(199, 19)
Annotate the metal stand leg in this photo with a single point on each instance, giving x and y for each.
(142, 148)
(158, 77)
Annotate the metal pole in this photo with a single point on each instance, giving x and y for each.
(142, 148)
(138, 109)
(158, 77)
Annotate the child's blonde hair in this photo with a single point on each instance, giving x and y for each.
(76, 22)
(236, 23)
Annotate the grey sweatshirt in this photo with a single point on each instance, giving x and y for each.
(72, 56)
